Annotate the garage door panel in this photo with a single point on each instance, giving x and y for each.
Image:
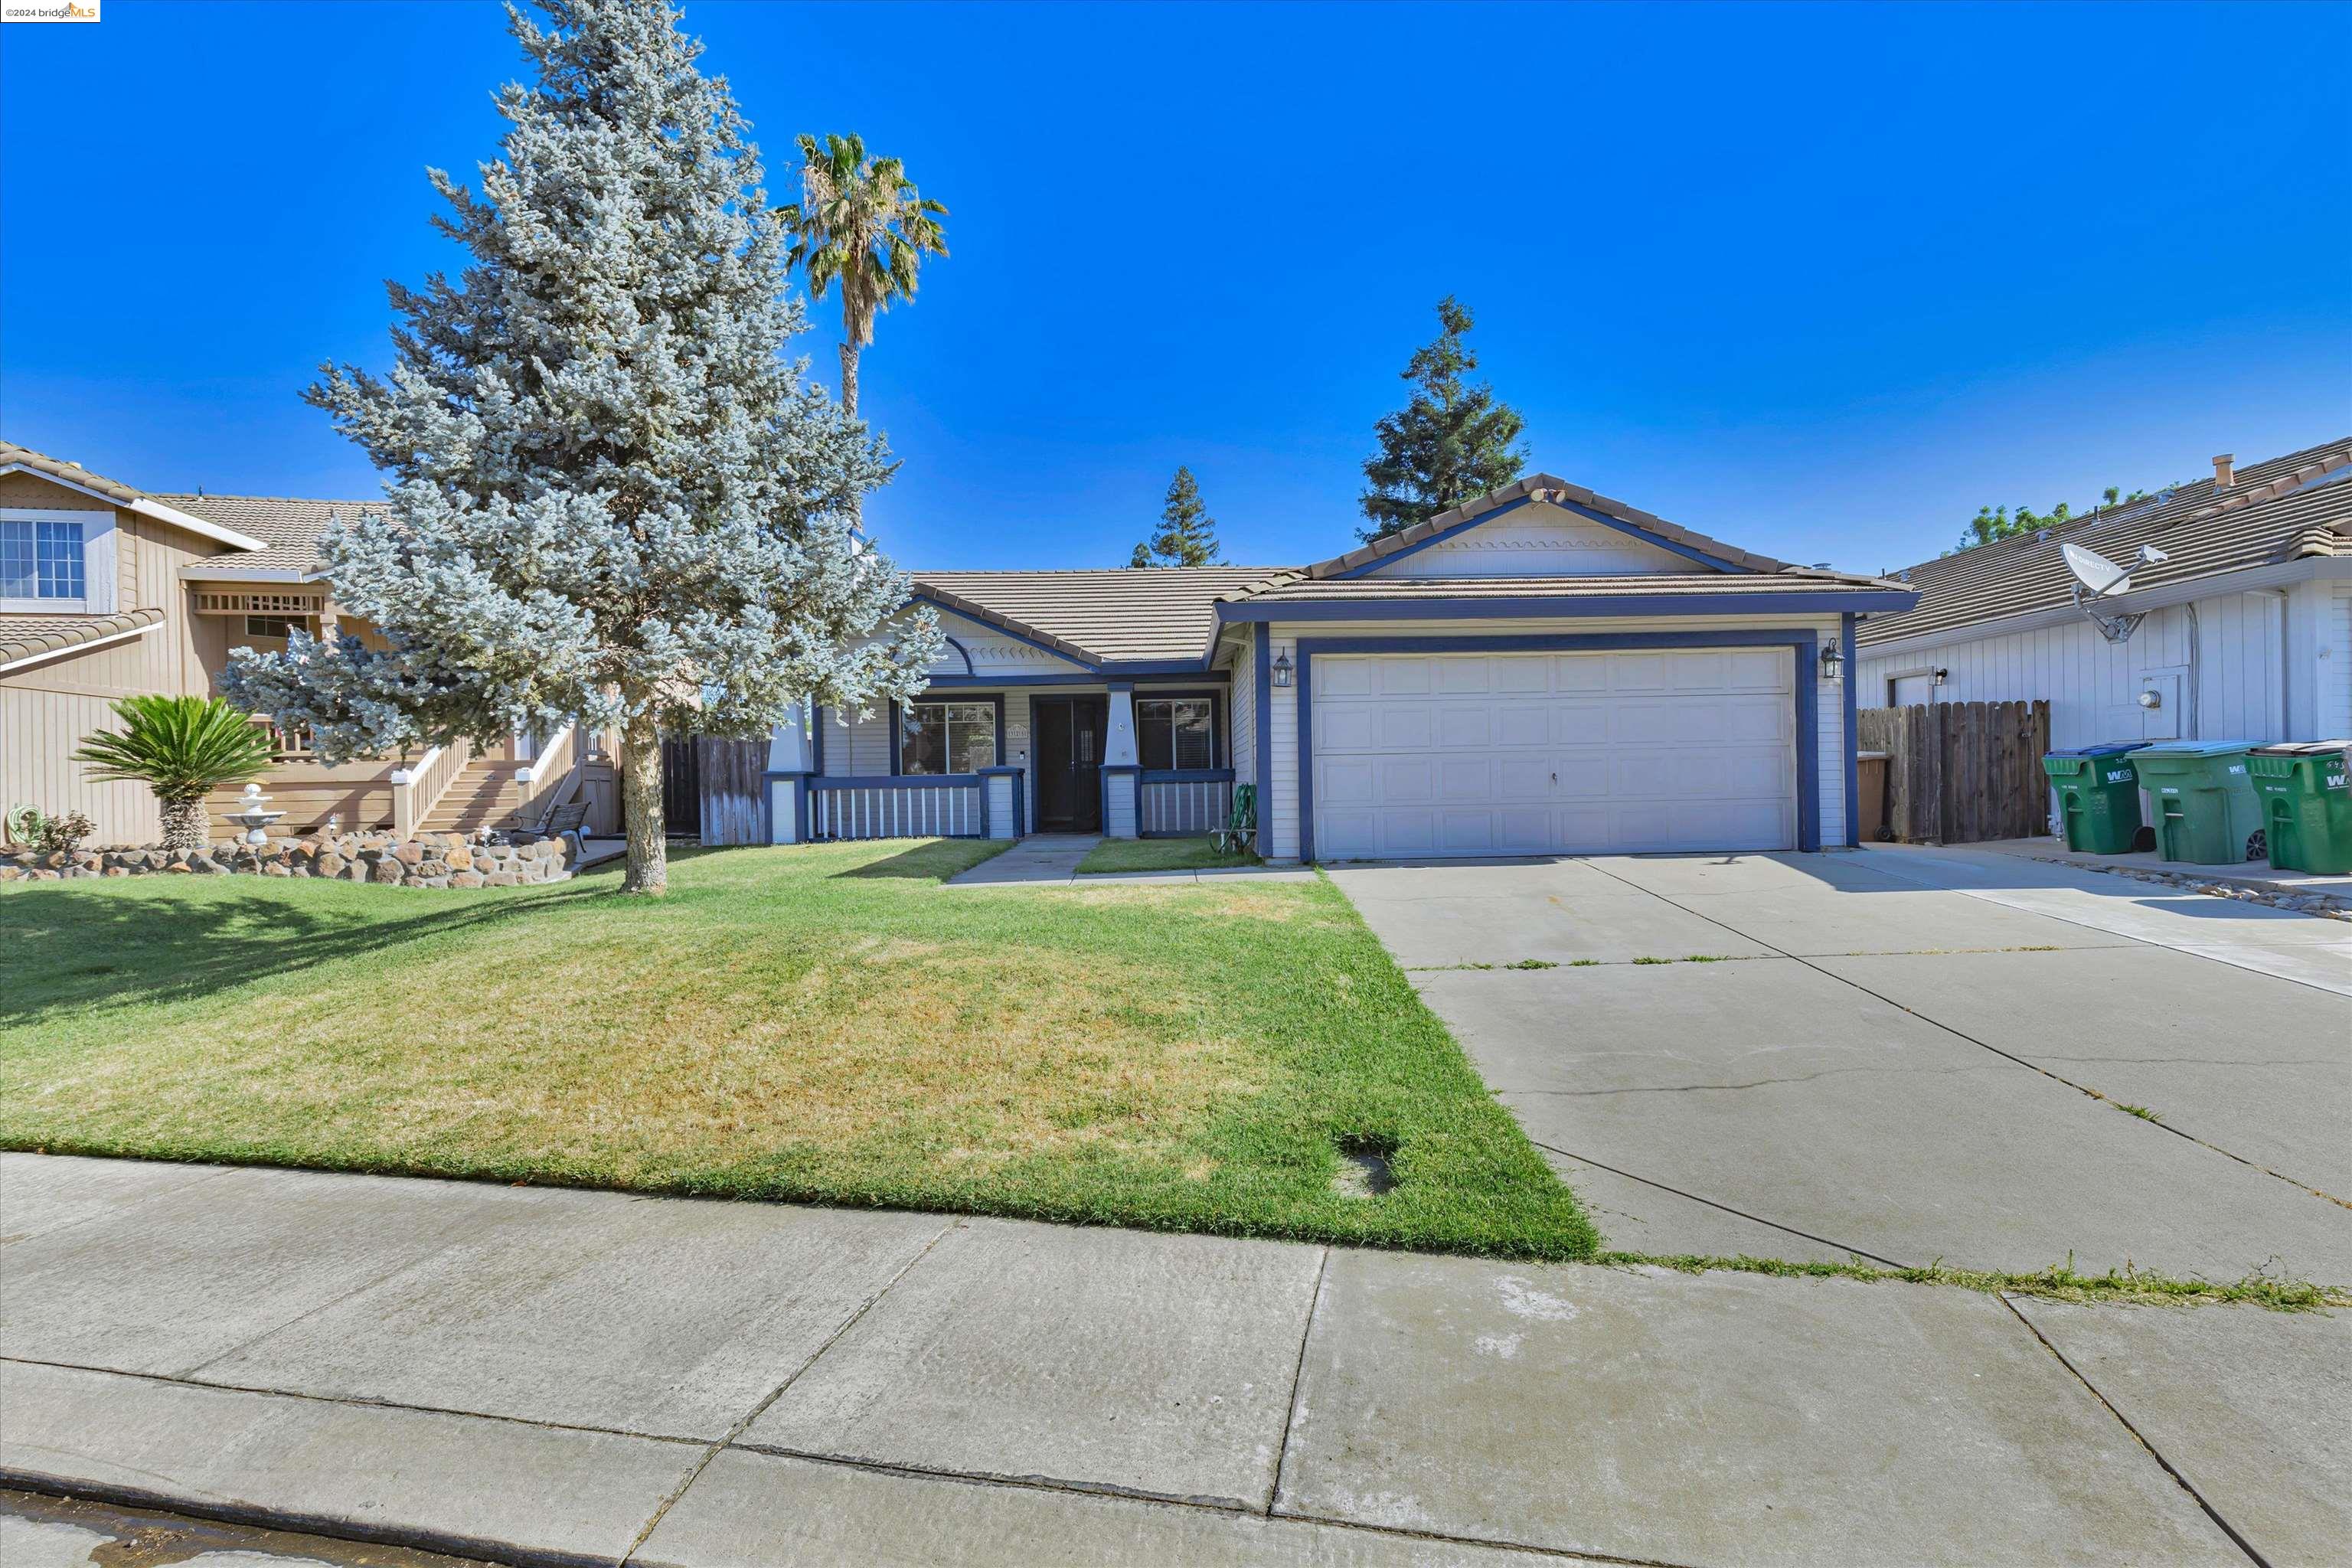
(1344, 727)
(1530, 753)
(1466, 726)
(1456, 676)
(1568, 672)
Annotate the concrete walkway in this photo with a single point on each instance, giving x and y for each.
(533, 1375)
(2258, 875)
(1913, 1056)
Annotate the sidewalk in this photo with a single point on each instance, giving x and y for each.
(536, 1375)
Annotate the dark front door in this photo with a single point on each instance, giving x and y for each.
(1069, 747)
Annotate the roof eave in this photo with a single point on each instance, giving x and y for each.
(2161, 595)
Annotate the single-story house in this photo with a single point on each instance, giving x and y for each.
(1541, 669)
(108, 590)
(2241, 630)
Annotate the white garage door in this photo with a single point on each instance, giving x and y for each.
(1436, 754)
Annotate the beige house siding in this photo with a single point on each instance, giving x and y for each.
(47, 707)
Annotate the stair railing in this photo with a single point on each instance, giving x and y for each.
(418, 788)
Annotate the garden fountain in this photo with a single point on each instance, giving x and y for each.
(254, 816)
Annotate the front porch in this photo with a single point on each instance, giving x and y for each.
(518, 782)
(1122, 759)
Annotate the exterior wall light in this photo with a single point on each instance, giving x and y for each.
(1281, 667)
(1833, 662)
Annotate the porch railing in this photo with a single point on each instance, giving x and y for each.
(947, 805)
(288, 742)
(1169, 803)
(547, 782)
(418, 788)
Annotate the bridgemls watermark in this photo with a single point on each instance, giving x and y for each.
(48, 10)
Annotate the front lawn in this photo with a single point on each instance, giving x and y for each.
(1192, 854)
(821, 1024)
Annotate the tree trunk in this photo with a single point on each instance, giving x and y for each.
(186, 824)
(641, 807)
(849, 378)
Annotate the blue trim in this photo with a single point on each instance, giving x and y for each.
(1261, 639)
(816, 736)
(1107, 769)
(800, 804)
(962, 651)
(1219, 705)
(898, 716)
(1194, 668)
(1853, 756)
(1192, 675)
(1688, 552)
(984, 619)
(1020, 798)
(899, 781)
(1393, 556)
(1119, 686)
(1188, 775)
(1802, 645)
(1747, 604)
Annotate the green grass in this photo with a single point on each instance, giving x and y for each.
(2059, 1281)
(818, 1023)
(1194, 854)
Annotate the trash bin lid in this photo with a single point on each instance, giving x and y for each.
(2302, 748)
(2195, 748)
(2097, 749)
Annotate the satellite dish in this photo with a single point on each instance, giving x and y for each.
(2096, 572)
(2096, 577)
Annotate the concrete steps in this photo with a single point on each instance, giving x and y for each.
(484, 795)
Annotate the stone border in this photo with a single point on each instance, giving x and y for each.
(427, 860)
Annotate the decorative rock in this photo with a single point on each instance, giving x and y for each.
(331, 864)
(466, 879)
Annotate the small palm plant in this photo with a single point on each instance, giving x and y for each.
(182, 748)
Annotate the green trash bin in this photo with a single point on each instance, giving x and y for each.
(2201, 801)
(2098, 795)
(2305, 789)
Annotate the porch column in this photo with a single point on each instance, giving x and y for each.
(1120, 771)
(792, 761)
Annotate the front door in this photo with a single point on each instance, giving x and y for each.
(1069, 745)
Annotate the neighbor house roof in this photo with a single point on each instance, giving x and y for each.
(15, 459)
(23, 638)
(286, 530)
(2288, 508)
(1117, 615)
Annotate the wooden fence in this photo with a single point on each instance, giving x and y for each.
(1961, 773)
(731, 778)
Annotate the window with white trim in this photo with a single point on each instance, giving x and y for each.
(43, 560)
(1173, 733)
(946, 737)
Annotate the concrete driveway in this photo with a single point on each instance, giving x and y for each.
(1913, 1056)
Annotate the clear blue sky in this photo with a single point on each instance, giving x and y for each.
(1817, 279)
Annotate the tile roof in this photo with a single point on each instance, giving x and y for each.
(287, 527)
(1729, 585)
(2289, 508)
(1110, 615)
(12, 456)
(1545, 488)
(26, 637)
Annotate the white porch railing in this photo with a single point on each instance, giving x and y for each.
(1194, 800)
(548, 781)
(939, 806)
(418, 788)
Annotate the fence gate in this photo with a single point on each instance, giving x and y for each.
(681, 787)
(731, 776)
(1961, 773)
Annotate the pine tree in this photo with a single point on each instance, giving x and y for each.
(1452, 441)
(1187, 534)
(612, 497)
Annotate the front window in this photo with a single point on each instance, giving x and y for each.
(41, 561)
(1176, 733)
(946, 737)
(279, 627)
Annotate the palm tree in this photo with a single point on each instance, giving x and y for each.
(182, 748)
(864, 226)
